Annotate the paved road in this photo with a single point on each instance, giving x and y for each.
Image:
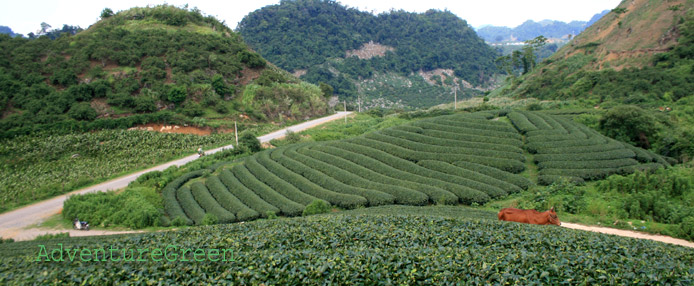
(12, 223)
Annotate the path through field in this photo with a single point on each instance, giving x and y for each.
(629, 233)
(13, 223)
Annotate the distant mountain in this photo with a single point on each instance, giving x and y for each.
(6, 30)
(639, 52)
(531, 29)
(324, 41)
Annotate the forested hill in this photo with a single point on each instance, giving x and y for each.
(328, 42)
(531, 29)
(158, 64)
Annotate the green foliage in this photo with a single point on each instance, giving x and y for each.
(209, 219)
(249, 141)
(252, 60)
(49, 236)
(321, 31)
(107, 12)
(356, 241)
(209, 204)
(133, 208)
(583, 154)
(82, 111)
(326, 89)
(177, 94)
(56, 164)
(140, 60)
(629, 123)
(316, 207)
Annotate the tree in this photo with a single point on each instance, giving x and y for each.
(629, 123)
(178, 94)
(82, 111)
(44, 28)
(250, 142)
(529, 58)
(107, 12)
(326, 89)
(220, 87)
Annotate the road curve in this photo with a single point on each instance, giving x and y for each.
(13, 222)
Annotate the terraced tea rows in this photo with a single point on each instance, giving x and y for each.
(454, 159)
(420, 164)
(565, 149)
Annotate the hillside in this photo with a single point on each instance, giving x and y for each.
(639, 54)
(324, 41)
(556, 30)
(455, 159)
(162, 64)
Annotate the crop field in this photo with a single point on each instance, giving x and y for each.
(447, 160)
(38, 167)
(433, 245)
(566, 150)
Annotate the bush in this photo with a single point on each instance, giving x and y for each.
(250, 142)
(48, 236)
(82, 111)
(316, 207)
(209, 219)
(687, 227)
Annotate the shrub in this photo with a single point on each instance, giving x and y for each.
(316, 207)
(687, 227)
(249, 141)
(48, 236)
(209, 219)
(82, 111)
(270, 215)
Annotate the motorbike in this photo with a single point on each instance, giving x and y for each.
(80, 225)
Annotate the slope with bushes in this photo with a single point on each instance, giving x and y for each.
(143, 61)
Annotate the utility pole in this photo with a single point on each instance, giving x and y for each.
(455, 96)
(359, 102)
(236, 133)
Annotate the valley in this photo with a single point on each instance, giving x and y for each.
(368, 172)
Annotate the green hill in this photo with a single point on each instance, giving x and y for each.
(455, 159)
(401, 245)
(163, 64)
(639, 54)
(324, 41)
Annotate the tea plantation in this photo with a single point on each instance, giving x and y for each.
(435, 245)
(464, 158)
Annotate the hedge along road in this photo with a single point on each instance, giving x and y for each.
(13, 223)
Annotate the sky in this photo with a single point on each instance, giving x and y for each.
(25, 16)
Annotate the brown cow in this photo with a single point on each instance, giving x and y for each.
(529, 216)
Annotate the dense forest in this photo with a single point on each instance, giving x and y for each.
(307, 34)
(531, 29)
(141, 65)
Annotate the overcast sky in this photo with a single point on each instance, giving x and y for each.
(25, 16)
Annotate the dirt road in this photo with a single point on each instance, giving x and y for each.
(629, 233)
(13, 223)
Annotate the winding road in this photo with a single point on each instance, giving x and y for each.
(13, 224)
